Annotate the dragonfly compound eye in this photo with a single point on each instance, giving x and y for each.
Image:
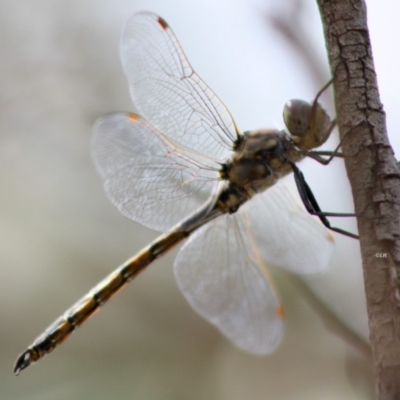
(297, 115)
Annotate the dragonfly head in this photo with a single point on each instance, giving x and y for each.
(308, 124)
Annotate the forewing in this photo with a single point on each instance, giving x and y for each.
(145, 176)
(286, 235)
(221, 276)
(168, 93)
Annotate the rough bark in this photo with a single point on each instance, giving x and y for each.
(375, 179)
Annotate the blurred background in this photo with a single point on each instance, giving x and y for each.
(60, 71)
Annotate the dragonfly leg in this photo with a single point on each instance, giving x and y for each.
(312, 206)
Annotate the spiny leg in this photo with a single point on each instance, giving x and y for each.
(315, 105)
(308, 123)
(312, 206)
(322, 90)
(316, 154)
(303, 188)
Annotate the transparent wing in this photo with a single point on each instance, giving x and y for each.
(221, 276)
(145, 176)
(168, 93)
(285, 234)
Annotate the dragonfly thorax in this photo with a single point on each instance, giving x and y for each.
(260, 160)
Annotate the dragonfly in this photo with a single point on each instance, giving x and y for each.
(182, 162)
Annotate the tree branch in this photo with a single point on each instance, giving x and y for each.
(374, 176)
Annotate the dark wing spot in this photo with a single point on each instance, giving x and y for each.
(163, 23)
